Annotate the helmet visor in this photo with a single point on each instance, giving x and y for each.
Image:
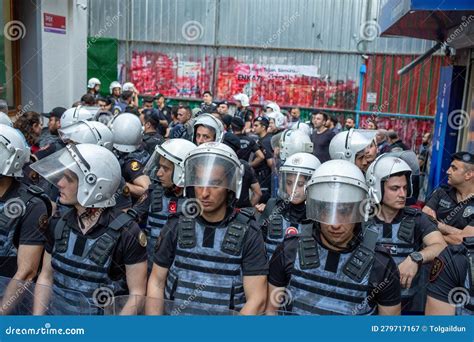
(292, 186)
(335, 203)
(57, 166)
(212, 170)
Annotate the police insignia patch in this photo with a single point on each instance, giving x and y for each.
(142, 239)
(436, 269)
(468, 211)
(43, 222)
(135, 166)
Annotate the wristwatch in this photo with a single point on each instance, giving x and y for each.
(417, 257)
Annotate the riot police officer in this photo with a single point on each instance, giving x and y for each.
(335, 266)
(211, 251)
(166, 191)
(127, 131)
(207, 128)
(451, 285)
(75, 114)
(452, 205)
(24, 211)
(410, 235)
(243, 112)
(355, 145)
(288, 210)
(94, 132)
(94, 249)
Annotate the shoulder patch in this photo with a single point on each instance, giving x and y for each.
(142, 239)
(43, 222)
(134, 165)
(436, 269)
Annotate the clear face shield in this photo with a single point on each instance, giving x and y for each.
(69, 165)
(211, 170)
(335, 203)
(152, 166)
(292, 186)
(360, 142)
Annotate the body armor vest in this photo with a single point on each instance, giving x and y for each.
(210, 276)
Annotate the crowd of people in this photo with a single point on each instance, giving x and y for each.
(125, 205)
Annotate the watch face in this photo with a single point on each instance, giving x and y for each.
(416, 256)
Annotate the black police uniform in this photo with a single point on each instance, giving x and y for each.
(208, 108)
(247, 147)
(248, 179)
(245, 114)
(322, 281)
(448, 210)
(212, 257)
(263, 172)
(150, 140)
(451, 277)
(24, 214)
(278, 216)
(404, 235)
(97, 259)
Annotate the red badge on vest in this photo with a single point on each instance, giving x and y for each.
(436, 269)
(290, 231)
(172, 207)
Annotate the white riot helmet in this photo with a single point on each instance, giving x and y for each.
(214, 164)
(304, 127)
(87, 132)
(293, 141)
(384, 167)
(174, 150)
(244, 99)
(14, 152)
(335, 193)
(5, 119)
(76, 114)
(280, 120)
(93, 82)
(113, 85)
(128, 86)
(96, 168)
(209, 121)
(273, 106)
(295, 174)
(346, 145)
(127, 131)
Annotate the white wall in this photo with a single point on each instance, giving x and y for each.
(64, 56)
